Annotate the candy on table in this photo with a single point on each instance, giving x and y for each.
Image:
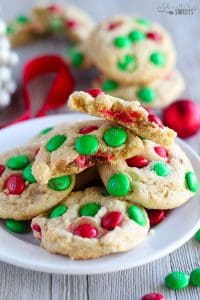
(72, 149)
(177, 280)
(156, 216)
(157, 94)
(197, 235)
(153, 296)
(183, 116)
(8, 59)
(16, 226)
(129, 114)
(195, 277)
(90, 214)
(64, 20)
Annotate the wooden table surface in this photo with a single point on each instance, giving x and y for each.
(19, 284)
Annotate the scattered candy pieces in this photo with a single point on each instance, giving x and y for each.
(197, 235)
(195, 277)
(192, 181)
(16, 226)
(183, 116)
(153, 296)
(177, 280)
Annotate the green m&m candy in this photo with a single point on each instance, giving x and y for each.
(17, 162)
(177, 280)
(56, 24)
(197, 235)
(89, 209)
(55, 142)
(195, 277)
(136, 214)
(45, 131)
(10, 29)
(109, 85)
(192, 181)
(60, 183)
(87, 144)
(143, 21)
(16, 226)
(27, 174)
(118, 185)
(146, 94)
(160, 168)
(58, 211)
(127, 63)
(115, 136)
(122, 42)
(136, 36)
(22, 19)
(76, 57)
(158, 58)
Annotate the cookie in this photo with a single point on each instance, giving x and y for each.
(131, 50)
(21, 197)
(22, 30)
(158, 178)
(80, 146)
(67, 20)
(157, 94)
(90, 224)
(129, 114)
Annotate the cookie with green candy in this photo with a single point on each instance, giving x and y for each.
(68, 21)
(77, 57)
(131, 52)
(129, 114)
(88, 225)
(21, 196)
(77, 147)
(156, 178)
(157, 94)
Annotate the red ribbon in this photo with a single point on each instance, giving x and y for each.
(62, 87)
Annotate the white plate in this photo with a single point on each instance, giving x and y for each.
(24, 251)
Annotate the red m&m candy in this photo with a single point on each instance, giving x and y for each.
(72, 24)
(95, 92)
(183, 116)
(111, 220)
(155, 36)
(156, 216)
(154, 119)
(87, 129)
(162, 152)
(86, 231)
(15, 184)
(137, 161)
(114, 25)
(54, 8)
(36, 227)
(153, 296)
(2, 169)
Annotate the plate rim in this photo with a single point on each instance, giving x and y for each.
(18, 261)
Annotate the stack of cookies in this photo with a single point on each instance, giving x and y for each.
(88, 187)
(136, 58)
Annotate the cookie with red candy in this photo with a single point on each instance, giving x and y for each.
(131, 50)
(78, 147)
(21, 196)
(66, 20)
(129, 114)
(90, 224)
(157, 178)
